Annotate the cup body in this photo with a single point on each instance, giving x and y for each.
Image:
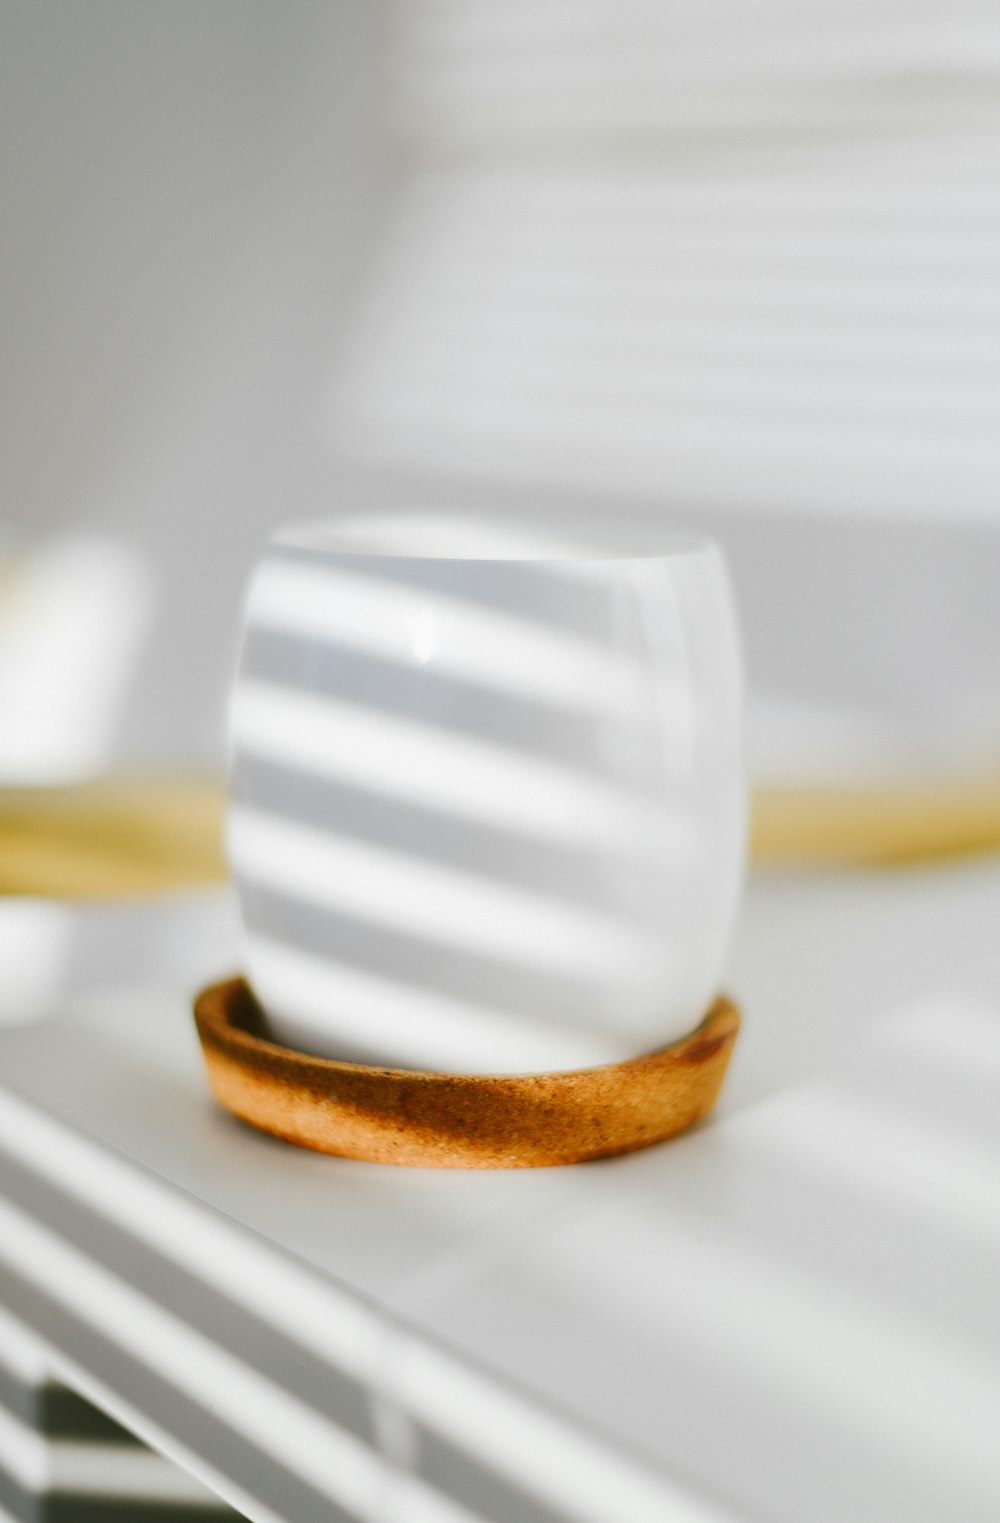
(487, 803)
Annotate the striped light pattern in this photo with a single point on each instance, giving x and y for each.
(792, 1315)
(803, 1315)
(218, 1358)
(486, 811)
(728, 255)
(62, 1460)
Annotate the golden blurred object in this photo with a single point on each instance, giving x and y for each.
(828, 827)
(112, 837)
(134, 836)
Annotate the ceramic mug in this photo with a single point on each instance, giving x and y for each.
(487, 804)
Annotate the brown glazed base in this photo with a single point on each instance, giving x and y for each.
(457, 1121)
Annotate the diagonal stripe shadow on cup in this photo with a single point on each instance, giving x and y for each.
(474, 826)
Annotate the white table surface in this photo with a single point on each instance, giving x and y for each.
(790, 1314)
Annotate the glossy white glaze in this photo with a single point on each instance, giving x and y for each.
(487, 806)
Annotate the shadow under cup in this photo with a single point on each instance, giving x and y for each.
(487, 804)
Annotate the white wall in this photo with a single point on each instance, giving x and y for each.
(735, 264)
(190, 190)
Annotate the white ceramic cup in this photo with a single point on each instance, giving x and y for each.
(487, 804)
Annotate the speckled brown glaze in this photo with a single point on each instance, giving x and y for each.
(457, 1121)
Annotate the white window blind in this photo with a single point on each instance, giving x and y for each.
(736, 255)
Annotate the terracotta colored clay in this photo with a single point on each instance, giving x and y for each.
(455, 1121)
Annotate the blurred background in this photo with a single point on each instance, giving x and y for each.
(732, 265)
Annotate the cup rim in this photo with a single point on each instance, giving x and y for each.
(446, 537)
